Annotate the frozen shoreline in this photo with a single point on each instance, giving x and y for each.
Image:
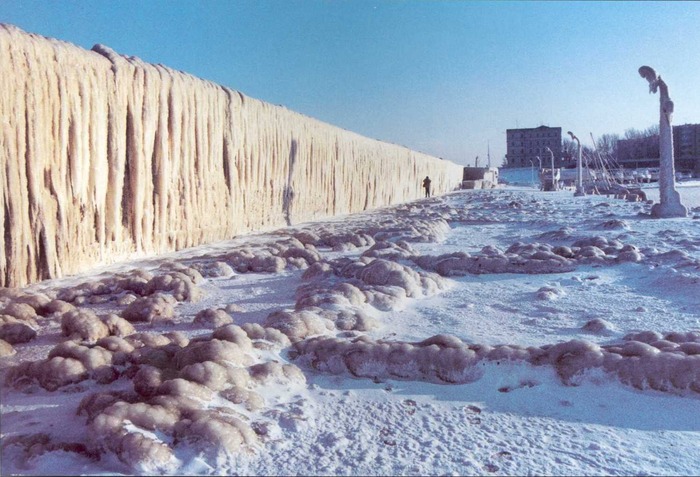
(515, 419)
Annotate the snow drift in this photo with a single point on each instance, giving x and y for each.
(106, 156)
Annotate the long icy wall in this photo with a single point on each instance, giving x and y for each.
(105, 156)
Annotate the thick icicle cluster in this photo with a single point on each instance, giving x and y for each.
(105, 156)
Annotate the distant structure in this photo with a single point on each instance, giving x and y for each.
(480, 178)
(524, 145)
(644, 151)
(686, 148)
(638, 152)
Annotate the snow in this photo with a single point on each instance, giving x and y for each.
(512, 416)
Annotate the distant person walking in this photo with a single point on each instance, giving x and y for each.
(426, 186)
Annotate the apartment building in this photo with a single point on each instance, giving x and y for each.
(644, 151)
(525, 145)
(686, 147)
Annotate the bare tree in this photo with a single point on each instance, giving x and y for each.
(607, 144)
(632, 133)
(569, 148)
(652, 130)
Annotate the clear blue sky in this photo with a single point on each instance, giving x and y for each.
(443, 77)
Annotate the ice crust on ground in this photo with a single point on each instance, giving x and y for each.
(182, 369)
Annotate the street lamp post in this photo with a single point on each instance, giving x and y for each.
(532, 173)
(579, 169)
(551, 154)
(539, 171)
(670, 200)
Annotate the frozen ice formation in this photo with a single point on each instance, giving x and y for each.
(175, 384)
(670, 200)
(644, 361)
(6, 349)
(211, 384)
(533, 258)
(105, 156)
(15, 331)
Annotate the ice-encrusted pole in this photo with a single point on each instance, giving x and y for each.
(670, 200)
(579, 168)
(554, 182)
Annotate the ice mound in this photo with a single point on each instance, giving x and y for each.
(37, 444)
(563, 233)
(157, 307)
(386, 273)
(178, 284)
(214, 432)
(332, 238)
(6, 349)
(677, 258)
(15, 331)
(390, 250)
(384, 284)
(519, 258)
(411, 229)
(404, 223)
(614, 224)
(351, 320)
(285, 251)
(36, 300)
(212, 318)
(21, 312)
(532, 258)
(216, 350)
(177, 281)
(83, 325)
(214, 269)
(598, 326)
(446, 359)
(50, 374)
(175, 383)
(298, 325)
(263, 338)
(117, 326)
(138, 450)
(550, 293)
(56, 307)
(439, 359)
(276, 372)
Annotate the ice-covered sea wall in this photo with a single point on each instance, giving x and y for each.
(104, 157)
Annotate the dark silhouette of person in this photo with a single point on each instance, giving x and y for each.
(426, 186)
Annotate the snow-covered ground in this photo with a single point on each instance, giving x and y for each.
(378, 354)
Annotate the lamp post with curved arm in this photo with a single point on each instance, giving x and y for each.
(579, 168)
(670, 200)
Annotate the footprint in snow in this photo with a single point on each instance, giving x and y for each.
(473, 414)
(411, 404)
(521, 385)
(502, 455)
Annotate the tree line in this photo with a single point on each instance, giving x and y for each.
(607, 143)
